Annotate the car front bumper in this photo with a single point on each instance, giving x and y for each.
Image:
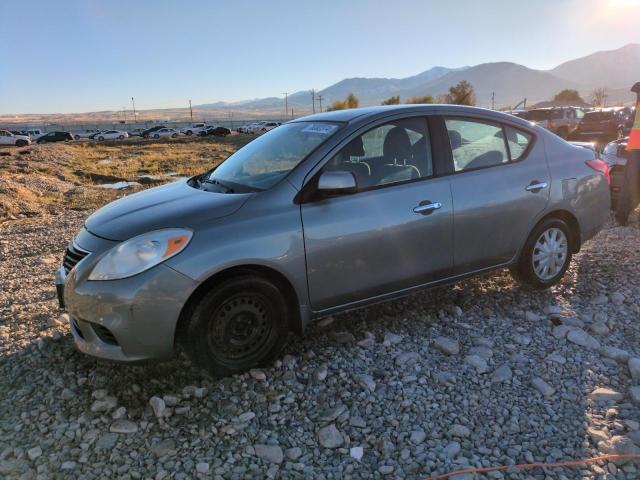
(128, 320)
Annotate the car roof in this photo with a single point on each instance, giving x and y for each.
(386, 110)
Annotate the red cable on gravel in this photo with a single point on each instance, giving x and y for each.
(525, 466)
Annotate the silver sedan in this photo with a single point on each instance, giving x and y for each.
(320, 215)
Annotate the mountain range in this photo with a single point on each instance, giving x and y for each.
(615, 70)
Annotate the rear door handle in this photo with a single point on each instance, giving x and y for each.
(536, 186)
(427, 208)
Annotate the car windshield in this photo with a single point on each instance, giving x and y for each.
(262, 163)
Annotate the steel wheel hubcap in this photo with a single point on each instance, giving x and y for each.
(240, 327)
(550, 253)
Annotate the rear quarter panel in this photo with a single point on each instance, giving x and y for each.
(575, 186)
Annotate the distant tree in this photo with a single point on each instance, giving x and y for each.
(425, 99)
(351, 102)
(391, 100)
(461, 94)
(599, 97)
(568, 95)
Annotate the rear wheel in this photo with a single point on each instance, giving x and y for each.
(546, 255)
(101, 138)
(241, 324)
(189, 132)
(156, 136)
(121, 137)
(77, 137)
(175, 135)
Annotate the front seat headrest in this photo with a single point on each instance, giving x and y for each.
(455, 138)
(397, 146)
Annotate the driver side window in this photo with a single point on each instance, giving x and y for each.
(391, 153)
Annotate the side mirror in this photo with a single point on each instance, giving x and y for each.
(337, 182)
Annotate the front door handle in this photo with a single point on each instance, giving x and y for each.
(536, 186)
(427, 208)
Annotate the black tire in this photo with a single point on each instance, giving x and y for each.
(101, 138)
(188, 133)
(146, 135)
(241, 324)
(156, 136)
(175, 135)
(524, 272)
(21, 143)
(121, 137)
(76, 137)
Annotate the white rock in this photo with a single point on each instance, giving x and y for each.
(391, 339)
(34, 453)
(603, 394)
(560, 331)
(104, 405)
(158, 406)
(582, 338)
(458, 430)
(320, 373)
(543, 387)
(531, 317)
(477, 362)
(557, 358)
(294, 453)
(447, 345)
(269, 453)
(119, 412)
(257, 375)
(502, 374)
(246, 417)
(366, 381)
(200, 392)
(330, 437)
(68, 465)
(599, 328)
(202, 467)
(452, 449)
(326, 321)
(418, 436)
(170, 400)
(614, 353)
(407, 359)
(356, 452)
(634, 368)
(123, 426)
(617, 298)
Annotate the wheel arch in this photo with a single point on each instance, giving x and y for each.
(268, 273)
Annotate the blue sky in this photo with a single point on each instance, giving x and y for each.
(91, 55)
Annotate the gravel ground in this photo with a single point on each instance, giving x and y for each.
(477, 374)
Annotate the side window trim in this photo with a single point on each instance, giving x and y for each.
(503, 125)
(306, 193)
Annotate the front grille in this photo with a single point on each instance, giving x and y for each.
(72, 255)
(104, 334)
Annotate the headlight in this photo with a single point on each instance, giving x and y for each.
(141, 253)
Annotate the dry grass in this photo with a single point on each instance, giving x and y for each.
(58, 176)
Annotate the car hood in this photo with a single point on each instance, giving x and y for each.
(173, 205)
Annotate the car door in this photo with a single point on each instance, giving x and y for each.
(5, 138)
(393, 233)
(500, 184)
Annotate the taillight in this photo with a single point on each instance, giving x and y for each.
(600, 166)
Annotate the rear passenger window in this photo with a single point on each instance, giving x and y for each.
(518, 142)
(394, 152)
(476, 144)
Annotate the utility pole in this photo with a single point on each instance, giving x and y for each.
(313, 99)
(320, 101)
(190, 111)
(124, 114)
(135, 118)
(493, 100)
(286, 105)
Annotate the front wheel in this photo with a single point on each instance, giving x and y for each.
(77, 137)
(156, 136)
(243, 323)
(121, 137)
(546, 255)
(189, 133)
(175, 135)
(101, 138)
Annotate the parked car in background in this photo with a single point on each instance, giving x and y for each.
(215, 131)
(149, 131)
(34, 133)
(562, 121)
(605, 125)
(194, 129)
(615, 155)
(245, 128)
(324, 214)
(55, 137)
(87, 133)
(112, 135)
(165, 132)
(10, 138)
(136, 132)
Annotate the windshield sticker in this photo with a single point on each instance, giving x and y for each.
(321, 128)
